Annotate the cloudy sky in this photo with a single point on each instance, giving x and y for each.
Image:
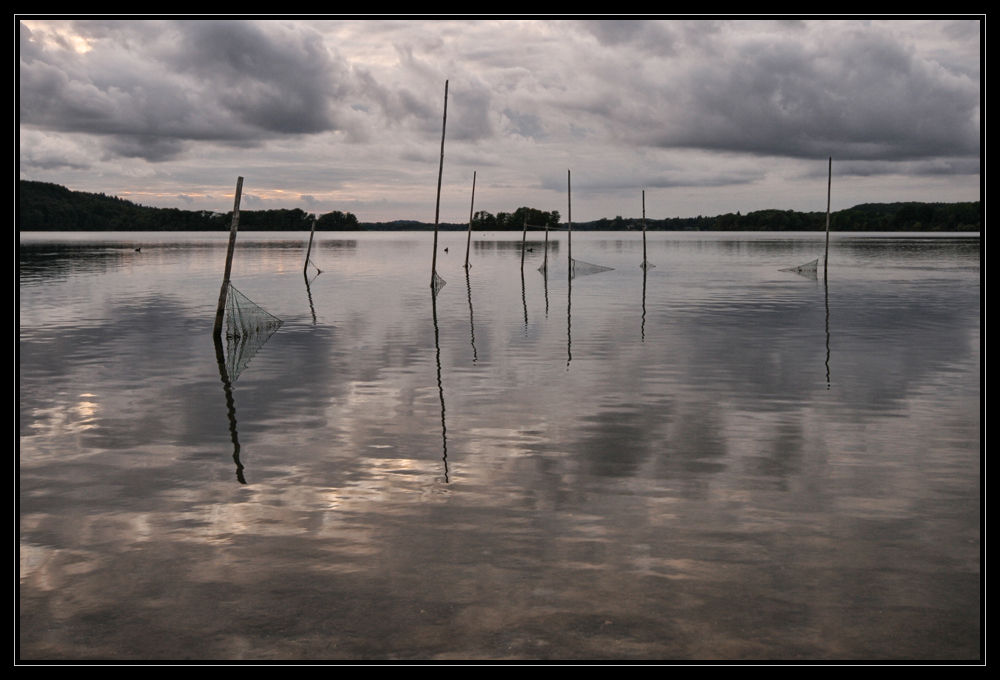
(707, 116)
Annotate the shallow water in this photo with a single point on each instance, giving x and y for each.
(716, 460)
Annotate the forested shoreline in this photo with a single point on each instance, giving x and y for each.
(50, 207)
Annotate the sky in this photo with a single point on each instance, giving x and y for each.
(707, 117)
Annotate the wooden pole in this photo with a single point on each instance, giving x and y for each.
(468, 241)
(643, 228)
(826, 253)
(524, 236)
(437, 207)
(305, 267)
(545, 262)
(224, 292)
(569, 223)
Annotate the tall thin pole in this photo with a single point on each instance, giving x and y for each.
(472, 204)
(826, 253)
(437, 207)
(305, 267)
(545, 262)
(224, 291)
(524, 236)
(569, 223)
(643, 228)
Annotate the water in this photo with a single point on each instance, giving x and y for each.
(715, 461)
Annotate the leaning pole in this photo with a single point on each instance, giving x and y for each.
(472, 206)
(312, 231)
(223, 293)
(437, 207)
(569, 223)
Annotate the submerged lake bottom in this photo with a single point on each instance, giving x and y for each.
(706, 459)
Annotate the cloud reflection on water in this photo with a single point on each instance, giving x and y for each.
(686, 485)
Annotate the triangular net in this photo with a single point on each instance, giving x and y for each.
(807, 269)
(646, 265)
(437, 283)
(581, 268)
(248, 327)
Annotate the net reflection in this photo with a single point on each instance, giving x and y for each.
(227, 386)
(312, 308)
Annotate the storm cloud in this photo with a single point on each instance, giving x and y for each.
(221, 81)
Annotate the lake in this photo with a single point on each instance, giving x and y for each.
(711, 459)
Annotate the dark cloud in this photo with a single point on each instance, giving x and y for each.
(470, 117)
(861, 94)
(401, 106)
(418, 156)
(525, 124)
(273, 76)
(937, 166)
(643, 180)
(650, 36)
(228, 81)
(148, 147)
(702, 181)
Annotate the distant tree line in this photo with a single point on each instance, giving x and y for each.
(864, 217)
(50, 207)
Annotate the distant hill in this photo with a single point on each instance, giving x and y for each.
(51, 207)
(865, 217)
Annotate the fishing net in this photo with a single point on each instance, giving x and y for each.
(807, 269)
(581, 268)
(437, 283)
(310, 262)
(248, 327)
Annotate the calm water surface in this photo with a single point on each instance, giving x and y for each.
(716, 460)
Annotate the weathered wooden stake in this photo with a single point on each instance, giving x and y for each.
(545, 262)
(223, 293)
(569, 224)
(468, 241)
(643, 228)
(524, 236)
(305, 267)
(826, 253)
(437, 207)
